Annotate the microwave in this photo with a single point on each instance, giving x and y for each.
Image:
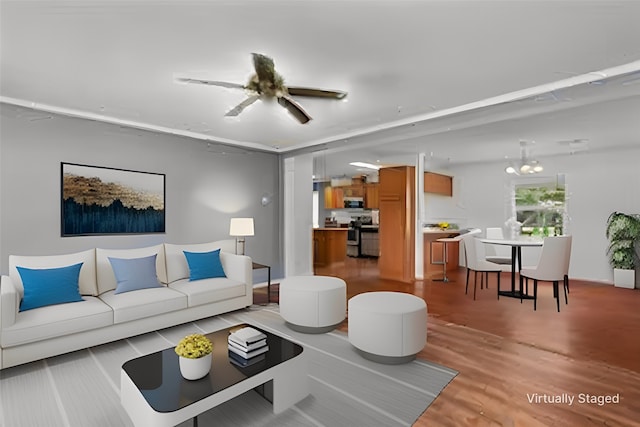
(353, 202)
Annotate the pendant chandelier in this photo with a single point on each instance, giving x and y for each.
(527, 165)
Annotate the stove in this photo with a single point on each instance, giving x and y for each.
(353, 239)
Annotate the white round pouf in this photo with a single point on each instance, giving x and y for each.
(388, 327)
(313, 304)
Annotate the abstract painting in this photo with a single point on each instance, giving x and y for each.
(101, 200)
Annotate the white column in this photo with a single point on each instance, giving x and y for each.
(298, 215)
(420, 215)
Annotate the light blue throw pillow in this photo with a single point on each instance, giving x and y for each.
(49, 286)
(135, 273)
(204, 265)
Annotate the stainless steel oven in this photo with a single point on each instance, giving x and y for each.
(353, 241)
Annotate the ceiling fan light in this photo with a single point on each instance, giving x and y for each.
(538, 168)
(525, 168)
(510, 170)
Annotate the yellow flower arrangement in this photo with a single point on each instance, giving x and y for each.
(194, 346)
(443, 225)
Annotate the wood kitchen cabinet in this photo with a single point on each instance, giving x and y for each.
(329, 246)
(438, 184)
(371, 196)
(333, 198)
(353, 191)
(397, 223)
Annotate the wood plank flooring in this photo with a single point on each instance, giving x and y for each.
(510, 358)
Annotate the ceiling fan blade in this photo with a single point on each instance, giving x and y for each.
(210, 83)
(244, 104)
(264, 67)
(294, 108)
(319, 93)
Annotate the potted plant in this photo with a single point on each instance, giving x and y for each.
(623, 232)
(195, 356)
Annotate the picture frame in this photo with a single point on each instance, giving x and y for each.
(97, 200)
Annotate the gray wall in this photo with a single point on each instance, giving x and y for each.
(204, 188)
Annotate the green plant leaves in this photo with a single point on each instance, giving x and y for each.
(623, 232)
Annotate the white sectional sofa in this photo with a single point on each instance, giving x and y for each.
(105, 316)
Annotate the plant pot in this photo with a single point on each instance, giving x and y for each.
(194, 369)
(624, 278)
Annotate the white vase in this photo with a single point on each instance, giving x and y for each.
(194, 369)
(624, 278)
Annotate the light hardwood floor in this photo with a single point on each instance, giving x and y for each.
(510, 357)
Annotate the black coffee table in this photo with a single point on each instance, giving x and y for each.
(154, 393)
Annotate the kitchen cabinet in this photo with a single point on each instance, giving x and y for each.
(353, 191)
(333, 198)
(371, 196)
(329, 246)
(438, 184)
(397, 223)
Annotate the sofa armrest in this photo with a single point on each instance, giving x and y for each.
(238, 267)
(9, 302)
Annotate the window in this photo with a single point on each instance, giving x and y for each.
(540, 205)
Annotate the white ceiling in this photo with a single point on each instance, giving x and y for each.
(416, 72)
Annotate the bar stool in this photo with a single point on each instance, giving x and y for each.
(445, 241)
(445, 255)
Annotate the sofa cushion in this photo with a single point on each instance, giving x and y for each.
(204, 265)
(143, 303)
(206, 291)
(87, 280)
(49, 286)
(106, 277)
(57, 320)
(135, 273)
(177, 267)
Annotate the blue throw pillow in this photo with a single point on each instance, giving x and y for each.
(204, 265)
(135, 273)
(49, 286)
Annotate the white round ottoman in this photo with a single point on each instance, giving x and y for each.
(388, 327)
(313, 304)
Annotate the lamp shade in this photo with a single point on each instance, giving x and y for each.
(241, 227)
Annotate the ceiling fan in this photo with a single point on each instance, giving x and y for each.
(266, 83)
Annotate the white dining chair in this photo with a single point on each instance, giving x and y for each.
(553, 266)
(478, 265)
(498, 254)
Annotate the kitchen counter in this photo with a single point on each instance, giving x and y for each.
(331, 228)
(432, 230)
(329, 246)
(370, 227)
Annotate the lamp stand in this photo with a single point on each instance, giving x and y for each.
(240, 243)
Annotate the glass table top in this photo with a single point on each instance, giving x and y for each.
(157, 375)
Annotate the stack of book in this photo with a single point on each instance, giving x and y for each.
(247, 346)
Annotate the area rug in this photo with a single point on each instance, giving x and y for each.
(82, 388)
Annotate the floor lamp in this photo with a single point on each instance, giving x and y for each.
(240, 228)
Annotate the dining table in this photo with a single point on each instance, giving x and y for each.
(516, 256)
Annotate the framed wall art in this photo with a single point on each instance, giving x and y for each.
(99, 200)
